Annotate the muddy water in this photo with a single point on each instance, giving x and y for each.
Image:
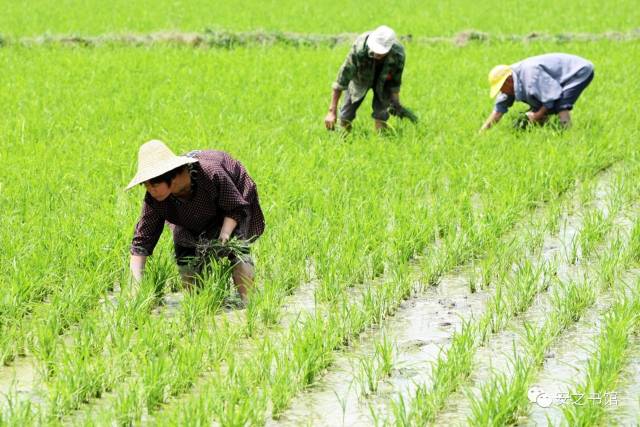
(567, 361)
(497, 355)
(20, 380)
(565, 364)
(301, 301)
(421, 327)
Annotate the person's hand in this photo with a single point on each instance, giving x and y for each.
(330, 120)
(535, 117)
(531, 116)
(224, 237)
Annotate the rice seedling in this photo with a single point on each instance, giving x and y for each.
(504, 397)
(282, 389)
(595, 227)
(385, 355)
(17, 412)
(128, 406)
(43, 344)
(376, 367)
(368, 376)
(449, 372)
(400, 412)
(609, 262)
(632, 252)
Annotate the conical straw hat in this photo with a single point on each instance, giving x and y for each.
(497, 77)
(154, 159)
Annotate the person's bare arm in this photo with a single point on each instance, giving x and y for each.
(136, 264)
(493, 118)
(331, 117)
(228, 225)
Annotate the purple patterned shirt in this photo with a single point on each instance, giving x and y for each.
(221, 188)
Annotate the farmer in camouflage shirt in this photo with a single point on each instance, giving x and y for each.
(376, 61)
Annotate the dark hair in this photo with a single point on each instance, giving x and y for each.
(167, 177)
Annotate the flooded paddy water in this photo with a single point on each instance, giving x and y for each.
(423, 326)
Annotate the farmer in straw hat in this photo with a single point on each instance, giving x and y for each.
(203, 196)
(376, 61)
(550, 84)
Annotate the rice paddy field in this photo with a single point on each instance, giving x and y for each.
(428, 276)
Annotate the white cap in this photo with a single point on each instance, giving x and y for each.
(381, 39)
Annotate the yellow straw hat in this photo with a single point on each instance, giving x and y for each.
(154, 159)
(497, 76)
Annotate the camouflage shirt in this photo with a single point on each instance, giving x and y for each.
(357, 73)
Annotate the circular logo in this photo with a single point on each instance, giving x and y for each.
(533, 393)
(544, 400)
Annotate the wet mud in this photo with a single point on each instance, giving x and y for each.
(421, 327)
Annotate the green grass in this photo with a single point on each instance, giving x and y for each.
(408, 17)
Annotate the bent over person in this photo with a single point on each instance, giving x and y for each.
(550, 84)
(376, 61)
(202, 196)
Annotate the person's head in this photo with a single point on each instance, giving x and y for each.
(507, 86)
(163, 185)
(501, 80)
(160, 170)
(380, 42)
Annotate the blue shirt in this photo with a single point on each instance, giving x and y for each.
(540, 80)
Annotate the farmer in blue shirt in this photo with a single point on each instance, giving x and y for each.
(550, 84)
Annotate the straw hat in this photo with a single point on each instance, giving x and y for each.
(497, 77)
(154, 159)
(381, 40)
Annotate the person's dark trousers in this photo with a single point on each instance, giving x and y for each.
(571, 95)
(349, 108)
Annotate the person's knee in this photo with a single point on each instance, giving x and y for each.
(348, 112)
(380, 115)
(244, 270)
(347, 115)
(380, 111)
